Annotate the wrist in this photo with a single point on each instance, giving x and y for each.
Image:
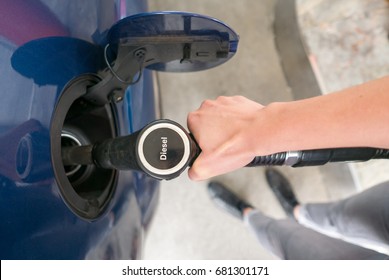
(268, 133)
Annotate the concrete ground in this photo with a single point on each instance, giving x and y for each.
(187, 225)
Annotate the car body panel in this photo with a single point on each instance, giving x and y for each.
(35, 223)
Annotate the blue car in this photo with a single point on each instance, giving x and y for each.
(75, 73)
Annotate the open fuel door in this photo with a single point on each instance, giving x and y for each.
(162, 41)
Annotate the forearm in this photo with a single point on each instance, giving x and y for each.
(231, 131)
(355, 117)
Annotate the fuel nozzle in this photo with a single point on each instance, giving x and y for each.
(163, 150)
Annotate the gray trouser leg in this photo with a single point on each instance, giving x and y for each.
(362, 219)
(289, 240)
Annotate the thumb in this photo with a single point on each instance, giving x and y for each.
(208, 165)
(199, 169)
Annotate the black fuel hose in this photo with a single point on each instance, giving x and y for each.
(320, 157)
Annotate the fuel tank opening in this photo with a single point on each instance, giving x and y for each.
(69, 140)
(86, 189)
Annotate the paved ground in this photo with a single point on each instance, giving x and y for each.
(187, 225)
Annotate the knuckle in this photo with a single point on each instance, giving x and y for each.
(207, 103)
(192, 116)
(239, 97)
(222, 98)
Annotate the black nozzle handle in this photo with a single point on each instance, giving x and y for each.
(163, 150)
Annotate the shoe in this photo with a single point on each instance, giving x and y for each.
(226, 200)
(282, 190)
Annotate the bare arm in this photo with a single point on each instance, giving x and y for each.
(232, 130)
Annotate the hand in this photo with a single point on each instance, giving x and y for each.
(223, 129)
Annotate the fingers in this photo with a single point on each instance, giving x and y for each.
(221, 103)
(191, 120)
(204, 168)
(209, 165)
(196, 173)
